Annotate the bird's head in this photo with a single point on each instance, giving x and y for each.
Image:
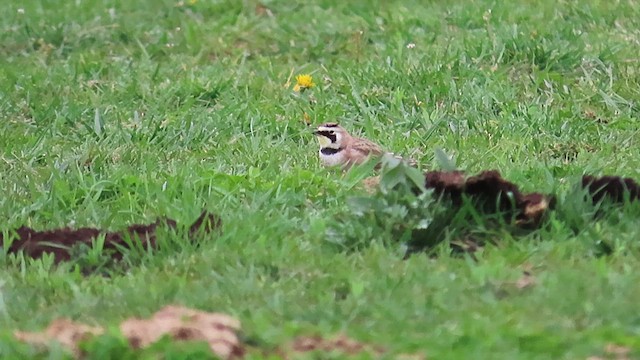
(331, 135)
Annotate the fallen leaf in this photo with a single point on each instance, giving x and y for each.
(371, 184)
(527, 280)
(619, 351)
(339, 344)
(262, 10)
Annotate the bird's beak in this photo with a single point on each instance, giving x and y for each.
(316, 132)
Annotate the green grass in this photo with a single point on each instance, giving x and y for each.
(113, 112)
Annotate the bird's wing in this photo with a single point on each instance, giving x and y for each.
(366, 147)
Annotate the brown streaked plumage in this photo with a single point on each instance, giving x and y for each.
(339, 148)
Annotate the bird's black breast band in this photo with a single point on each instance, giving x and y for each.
(330, 151)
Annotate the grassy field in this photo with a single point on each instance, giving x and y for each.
(116, 112)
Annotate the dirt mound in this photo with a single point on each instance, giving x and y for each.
(177, 322)
(614, 188)
(59, 242)
(491, 193)
(184, 324)
(220, 331)
(68, 333)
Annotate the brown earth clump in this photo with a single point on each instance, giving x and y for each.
(68, 333)
(492, 193)
(184, 324)
(220, 331)
(59, 242)
(177, 322)
(614, 188)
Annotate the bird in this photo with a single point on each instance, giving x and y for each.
(339, 148)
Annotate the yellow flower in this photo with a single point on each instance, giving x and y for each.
(303, 82)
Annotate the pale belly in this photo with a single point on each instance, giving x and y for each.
(332, 160)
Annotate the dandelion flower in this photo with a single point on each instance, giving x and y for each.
(303, 82)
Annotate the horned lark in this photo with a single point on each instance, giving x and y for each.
(339, 148)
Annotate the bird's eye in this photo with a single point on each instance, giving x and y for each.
(332, 132)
